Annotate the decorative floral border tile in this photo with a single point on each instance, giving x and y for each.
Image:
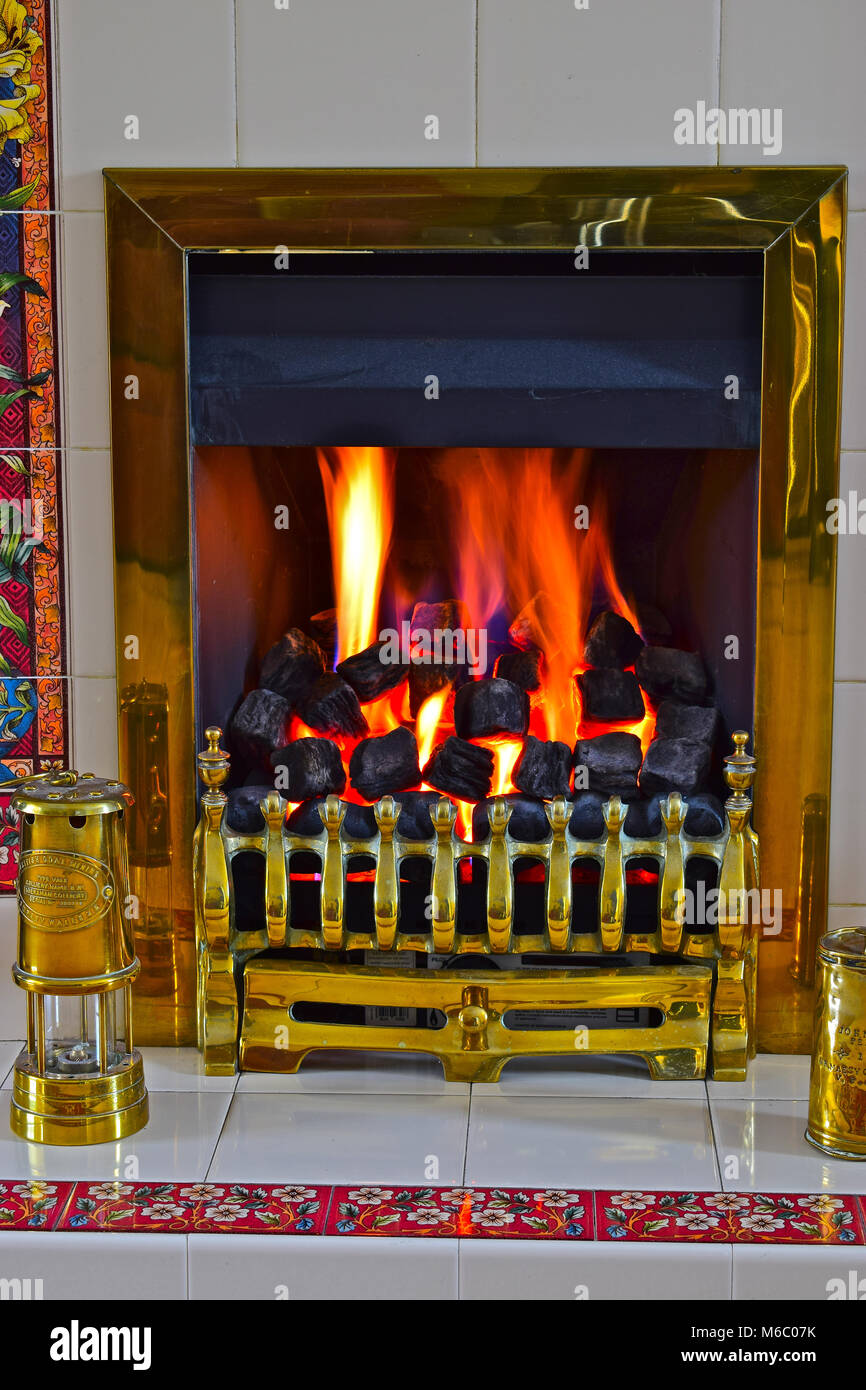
(32, 1206)
(197, 1208)
(723, 1218)
(728, 1217)
(544, 1214)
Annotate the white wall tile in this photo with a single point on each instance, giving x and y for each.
(851, 577)
(87, 1265)
(89, 562)
(516, 1270)
(607, 1142)
(175, 1145)
(806, 58)
(84, 321)
(844, 915)
(169, 64)
(766, 1139)
(343, 1139)
(330, 83)
(848, 799)
(764, 1272)
(854, 349)
(557, 85)
(321, 1267)
(94, 725)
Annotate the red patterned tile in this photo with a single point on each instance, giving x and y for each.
(728, 1217)
(32, 1206)
(534, 1214)
(200, 1208)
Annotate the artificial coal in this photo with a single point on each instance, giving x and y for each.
(460, 768)
(330, 706)
(610, 696)
(387, 763)
(543, 768)
(292, 665)
(485, 708)
(313, 767)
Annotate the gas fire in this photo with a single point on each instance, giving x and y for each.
(531, 555)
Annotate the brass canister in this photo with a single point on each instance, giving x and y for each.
(837, 1089)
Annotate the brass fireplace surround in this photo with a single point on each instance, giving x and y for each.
(157, 219)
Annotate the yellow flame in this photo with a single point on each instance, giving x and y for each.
(358, 485)
(427, 722)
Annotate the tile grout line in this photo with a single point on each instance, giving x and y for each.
(719, 75)
(231, 1095)
(477, 5)
(716, 1154)
(235, 71)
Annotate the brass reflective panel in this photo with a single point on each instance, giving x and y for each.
(795, 216)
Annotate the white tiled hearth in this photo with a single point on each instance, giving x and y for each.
(356, 1121)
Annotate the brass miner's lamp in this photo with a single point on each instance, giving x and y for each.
(78, 1081)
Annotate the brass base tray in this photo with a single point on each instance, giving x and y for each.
(78, 1110)
(475, 1044)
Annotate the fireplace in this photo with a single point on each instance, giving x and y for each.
(443, 493)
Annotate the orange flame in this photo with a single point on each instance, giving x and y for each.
(359, 493)
(521, 548)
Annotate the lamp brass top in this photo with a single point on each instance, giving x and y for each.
(68, 793)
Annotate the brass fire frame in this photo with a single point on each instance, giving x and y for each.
(157, 219)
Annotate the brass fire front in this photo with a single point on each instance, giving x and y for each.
(708, 1000)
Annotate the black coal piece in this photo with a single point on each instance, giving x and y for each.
(369, 675)
(521, 668)
(359, 822)
(543, 768)
(705, 817)
(292, 665)
(697, 722)
(528, 818)
(242, 811)
(668, 671)
(414, 822)
(460, 768)
(258, 726)
(441, 628)
(330, 706)
(324, 628)
(313, 767)
(385, 764)
(485, 708)
(674, 765)
(610, 696)
(612, 641)
(587, 816)
(612, 762)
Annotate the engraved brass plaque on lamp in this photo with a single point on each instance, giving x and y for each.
(78, 1080)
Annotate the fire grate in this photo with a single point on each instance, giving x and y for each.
(710, 998)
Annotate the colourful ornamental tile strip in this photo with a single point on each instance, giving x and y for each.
(197, 1208)
(728, 1218)
(545, 1214)
(32, 1206)
(724, 1218)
